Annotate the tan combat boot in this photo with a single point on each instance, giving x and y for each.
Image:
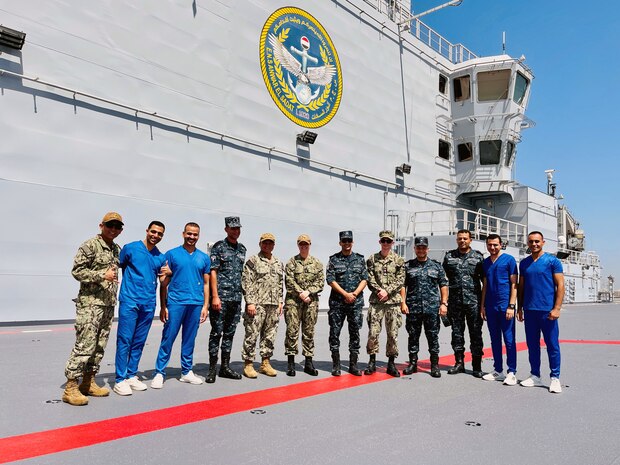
(72, 394)
(89, 387)
(248, 370)
(266, 368)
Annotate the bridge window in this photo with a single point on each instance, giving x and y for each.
(465, 151)
(490, 151)
(510, 152)
(461, 88)
(493, 85)
(444, 149)
(443, 83)
(521, 85)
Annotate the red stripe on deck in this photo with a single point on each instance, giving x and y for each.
(31, 445)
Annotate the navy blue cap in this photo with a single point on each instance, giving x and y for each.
(421, 240)
(346, 235)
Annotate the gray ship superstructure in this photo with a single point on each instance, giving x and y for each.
(196, 111)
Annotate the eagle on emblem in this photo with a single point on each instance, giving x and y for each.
(304, 74)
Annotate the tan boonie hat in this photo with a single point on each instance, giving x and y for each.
(112, 216)
(304, 238)
(267, 237)
(386, 233)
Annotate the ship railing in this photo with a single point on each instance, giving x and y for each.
(480, 224)
(588, 259)
(400, 12)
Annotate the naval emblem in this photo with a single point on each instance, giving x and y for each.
(300, 67)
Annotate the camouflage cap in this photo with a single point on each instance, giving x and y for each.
(232, 222)
(267, 237)
(386, 233)
(421, 240)
(112, 216)
(304, 238)
(346, 235)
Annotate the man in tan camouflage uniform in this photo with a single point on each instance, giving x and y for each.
(386, 277)
(95, 267)
(304, 282)
(262, 284)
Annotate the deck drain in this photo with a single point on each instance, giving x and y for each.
(408, 378)
(613, 365)
(53, 401)
(473, 423)
(258, 412)
(36, 340)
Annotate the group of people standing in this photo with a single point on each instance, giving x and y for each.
(194, 286)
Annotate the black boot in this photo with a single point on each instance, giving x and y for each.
(435, 373)
(413, 365)
(212, 369)
(391, 368)
(290, 370)
(335, 364)
(309, 367)
(459, 366)
(353, 365)
(372, 365)
(476, 365)
(225, 370)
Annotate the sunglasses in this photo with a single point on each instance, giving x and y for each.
(114, 225)
(385, 240)
(346, 241)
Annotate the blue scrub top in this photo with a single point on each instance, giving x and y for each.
(497, 294)
(187, 281)
(140, 269)
(539, 289)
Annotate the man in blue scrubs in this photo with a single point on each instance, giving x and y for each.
(184, 303)
(499, 295)
(541, 291)
(142, 263)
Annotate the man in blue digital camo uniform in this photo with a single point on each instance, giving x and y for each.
(541, 292)
(227, 259)
(499, 295)
(142, 264)
(184, 304)
(347, 276)
(95, 266)
(425, 298)
(386, 277)
(463, 267)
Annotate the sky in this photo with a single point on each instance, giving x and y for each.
(573, 49)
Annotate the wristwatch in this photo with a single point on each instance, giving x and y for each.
(444, 303)
(511, 306)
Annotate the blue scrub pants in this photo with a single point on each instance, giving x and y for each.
(134, 323)
(498, 325)
(536, 322)
(188, 317)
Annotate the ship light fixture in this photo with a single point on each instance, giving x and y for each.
(307, 137)
(403, 169)
(11, 38)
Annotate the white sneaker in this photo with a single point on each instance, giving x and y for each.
(158, 381)
(531, 381)
(122, 388)
(511, 379)
(555, 386)
(493, 376)
(190, 378)
(136, 384)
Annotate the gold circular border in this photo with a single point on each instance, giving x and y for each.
(272, 18)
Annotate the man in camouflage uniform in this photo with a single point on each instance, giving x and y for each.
(95, 266)
(227, 258)
(463, 267)
(425, 298)
(347, 276)
(262, 284)
(386, 277)
(304, 283)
